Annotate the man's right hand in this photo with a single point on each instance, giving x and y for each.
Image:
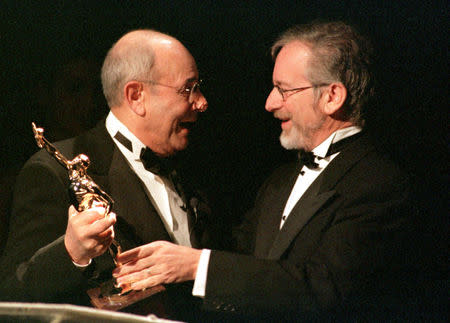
(88, 234)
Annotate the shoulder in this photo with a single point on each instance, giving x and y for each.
(92, 142)
(363, 163)
(378, 168)
(375, 176)
(42, 157)
(96, 143)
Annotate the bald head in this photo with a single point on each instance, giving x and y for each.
(138, 55)
(150, 81)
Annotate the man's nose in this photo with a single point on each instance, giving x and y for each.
(273, 101)
(200, 104)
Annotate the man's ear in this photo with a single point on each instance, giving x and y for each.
(135, 97)
(336, 96)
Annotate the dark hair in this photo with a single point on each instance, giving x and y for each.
(339, 54)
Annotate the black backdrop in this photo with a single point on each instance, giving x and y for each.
(44, 44)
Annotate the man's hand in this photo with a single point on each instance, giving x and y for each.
(156, 263)
(88, 234)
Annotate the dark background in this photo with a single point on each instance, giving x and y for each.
(51, 54)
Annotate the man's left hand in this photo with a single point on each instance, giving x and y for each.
(156, 263)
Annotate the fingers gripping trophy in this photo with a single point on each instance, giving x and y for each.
(85, 194)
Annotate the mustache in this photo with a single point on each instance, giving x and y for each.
(282, 115)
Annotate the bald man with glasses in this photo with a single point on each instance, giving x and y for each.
(56, 253)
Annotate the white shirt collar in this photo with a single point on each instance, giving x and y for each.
(114, 125)
(322, 149)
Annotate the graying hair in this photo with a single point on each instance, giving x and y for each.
(339, 54)
(122, 65)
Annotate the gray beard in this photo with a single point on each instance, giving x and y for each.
(292, 140)
(298, 138)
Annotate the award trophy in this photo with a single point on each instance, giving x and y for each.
(85, 194)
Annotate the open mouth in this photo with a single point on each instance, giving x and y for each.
(285, 123)
(187, 125)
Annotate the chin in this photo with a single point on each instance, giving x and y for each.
(290, 140)
(179, 146)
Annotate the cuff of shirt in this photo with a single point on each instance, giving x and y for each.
(199, 289)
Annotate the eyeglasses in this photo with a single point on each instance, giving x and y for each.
(285, 93)
(188, 91)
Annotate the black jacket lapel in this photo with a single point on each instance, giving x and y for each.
(320, 191)
(137, 220)
(271, 205)
(298, 218)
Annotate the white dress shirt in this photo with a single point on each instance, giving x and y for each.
(160, 190)
(305, 178)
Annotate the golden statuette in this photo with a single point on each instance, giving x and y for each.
(85, 194)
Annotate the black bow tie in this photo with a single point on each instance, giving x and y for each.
(307, 158)
(157, 165)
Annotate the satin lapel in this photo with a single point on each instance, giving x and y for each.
(137, 217)
(344, 162)
(298, 218)
(275, 198)
(137, 220)
(320, 191)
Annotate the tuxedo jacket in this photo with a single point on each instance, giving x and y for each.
(341, 248)
(36, 264)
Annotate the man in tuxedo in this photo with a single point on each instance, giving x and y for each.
(55, 253)
(328, 233)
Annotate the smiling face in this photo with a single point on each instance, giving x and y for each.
(168, 115)
(301, 113)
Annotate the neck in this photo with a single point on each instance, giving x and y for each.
(327, 130)
(135, 125)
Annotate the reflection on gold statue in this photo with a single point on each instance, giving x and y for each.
(85, 193)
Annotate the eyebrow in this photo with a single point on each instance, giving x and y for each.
(191, 80)
(280, 83)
